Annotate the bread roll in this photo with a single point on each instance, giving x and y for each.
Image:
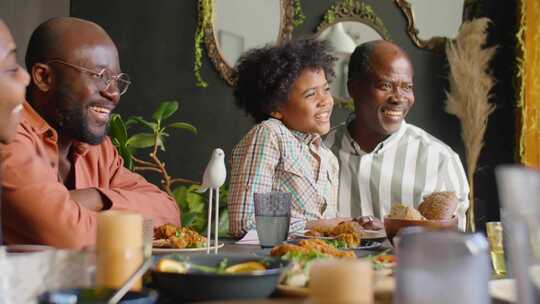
(402, 212)
(439, 205)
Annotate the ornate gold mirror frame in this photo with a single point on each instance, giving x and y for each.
(435, 43)
(350, 11)
(224, 69)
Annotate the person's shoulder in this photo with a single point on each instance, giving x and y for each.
(428, 140)
(335, 133)
(269, 127)
(264, 130)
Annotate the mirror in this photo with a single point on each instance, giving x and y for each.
(432, 22)
(352, 23)
(240, 25)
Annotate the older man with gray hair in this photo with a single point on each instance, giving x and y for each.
(384, 160)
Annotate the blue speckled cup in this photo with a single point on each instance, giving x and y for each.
(272, 217)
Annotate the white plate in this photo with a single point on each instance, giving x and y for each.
(174, 250)
(302, 235)
(504, 289)
(374, 235)
(371, 245)
(371, 235)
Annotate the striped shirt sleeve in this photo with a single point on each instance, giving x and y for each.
(454, 179)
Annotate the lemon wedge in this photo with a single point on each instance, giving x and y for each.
(245, 267)
(167, 265)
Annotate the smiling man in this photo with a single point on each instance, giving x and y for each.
(384, 160)
(62, 169)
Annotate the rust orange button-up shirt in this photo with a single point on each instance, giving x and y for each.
(36, 207)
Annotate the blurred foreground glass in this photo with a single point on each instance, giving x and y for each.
(341, 281)
(494, 231)
(272, 217)
(119, 248)
(148, 237)
(519, 194)
(437, 266)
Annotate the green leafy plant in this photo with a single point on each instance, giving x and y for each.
(154, 138)
(205, 14)
(299, 16)
(194, 208)
(193, 204)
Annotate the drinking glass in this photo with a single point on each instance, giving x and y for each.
(272, 217)
(494, 232)
(443, 267)
(519, 193)
(119, 248)
(148, 237)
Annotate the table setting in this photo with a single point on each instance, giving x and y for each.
(344, 264)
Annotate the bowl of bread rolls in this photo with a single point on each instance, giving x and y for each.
(437, 211)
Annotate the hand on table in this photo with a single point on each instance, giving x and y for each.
(369, 222)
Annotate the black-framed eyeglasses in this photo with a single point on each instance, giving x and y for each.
(104, 75)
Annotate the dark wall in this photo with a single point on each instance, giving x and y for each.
(155, 40)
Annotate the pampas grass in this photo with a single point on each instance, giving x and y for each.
(468, 99)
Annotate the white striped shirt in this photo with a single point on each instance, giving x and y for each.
(404, 168)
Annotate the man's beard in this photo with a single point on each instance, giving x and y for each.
(72, 119)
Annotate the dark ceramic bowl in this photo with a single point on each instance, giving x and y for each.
(393, 226)
(95, 296)
(200, 286)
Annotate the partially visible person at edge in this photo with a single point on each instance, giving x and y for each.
(61, 169)
(13, 82)
(285, 90)
(384, 160)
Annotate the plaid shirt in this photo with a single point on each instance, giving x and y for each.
(272, 157)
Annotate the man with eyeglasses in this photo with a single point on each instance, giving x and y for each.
(384, 160)
(62, 169)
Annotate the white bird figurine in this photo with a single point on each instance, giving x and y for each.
(213, 178)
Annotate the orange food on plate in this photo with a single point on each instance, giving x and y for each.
(171, 236)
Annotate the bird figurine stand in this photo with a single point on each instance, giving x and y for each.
(213, 178)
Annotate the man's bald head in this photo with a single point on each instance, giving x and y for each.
(372, 53)
(56, 38)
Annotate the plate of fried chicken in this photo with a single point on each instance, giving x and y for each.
(170, 238)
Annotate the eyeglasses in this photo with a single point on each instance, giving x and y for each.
(104, 75)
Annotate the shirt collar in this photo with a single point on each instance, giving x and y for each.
(385, 144)
(40, 126)
(36, 122)
(307, 138)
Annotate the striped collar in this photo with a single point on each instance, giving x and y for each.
(382, 146)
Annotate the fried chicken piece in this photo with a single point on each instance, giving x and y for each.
(194, 239)
(178, 242)
(171, 236)
(352, 239)
(347, 227)
(320, 230)
(283, 249)
(314, 233)
(161, 243)
(323, 247)
(165, 231)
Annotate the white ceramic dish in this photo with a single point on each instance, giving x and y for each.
(176, 250)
